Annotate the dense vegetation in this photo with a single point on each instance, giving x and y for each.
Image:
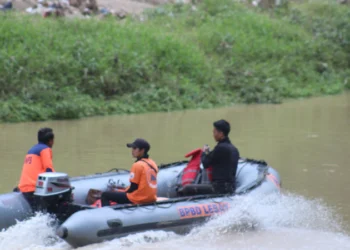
(181, 57)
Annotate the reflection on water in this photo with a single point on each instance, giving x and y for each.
(307, 141)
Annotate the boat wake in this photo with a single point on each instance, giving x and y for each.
(285, 221)
(34, 233)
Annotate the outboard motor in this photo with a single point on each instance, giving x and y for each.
(53, 191)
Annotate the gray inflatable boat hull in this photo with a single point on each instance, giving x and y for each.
(176, 214)
(100, 224)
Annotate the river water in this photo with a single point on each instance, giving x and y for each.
(306, 141)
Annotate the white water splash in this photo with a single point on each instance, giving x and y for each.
(29, 234)
(251, 223)
(135, 240)
(261, 213)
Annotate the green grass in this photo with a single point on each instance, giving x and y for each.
(223, 53)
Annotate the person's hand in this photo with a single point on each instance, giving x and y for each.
(206, 148)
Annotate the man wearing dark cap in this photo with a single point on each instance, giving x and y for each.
(223, 159)
(143, 178)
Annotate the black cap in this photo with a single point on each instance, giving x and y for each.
(139, 143)
(222, 126)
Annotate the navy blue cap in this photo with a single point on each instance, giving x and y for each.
(139, 143)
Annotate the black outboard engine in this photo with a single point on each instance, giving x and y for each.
(53, 192)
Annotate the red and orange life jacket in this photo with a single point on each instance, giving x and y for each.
(193, 168)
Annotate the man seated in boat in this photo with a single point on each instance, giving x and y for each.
(143, 178)
(223, 159)
(38, 160)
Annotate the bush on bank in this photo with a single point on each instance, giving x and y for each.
(180, 57)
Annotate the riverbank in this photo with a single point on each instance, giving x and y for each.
(176, 57)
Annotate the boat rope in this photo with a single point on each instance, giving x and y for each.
(118, 170)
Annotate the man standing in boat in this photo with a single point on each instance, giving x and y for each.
(143, 178)
(38, 160)
(223, 159)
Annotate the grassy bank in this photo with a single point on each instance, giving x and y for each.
(219, 54)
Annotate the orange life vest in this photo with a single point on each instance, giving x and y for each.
(38, 160)
(144, 174)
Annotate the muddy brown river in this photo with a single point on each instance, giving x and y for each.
(307, 141)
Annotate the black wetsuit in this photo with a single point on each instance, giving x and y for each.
(224, 160)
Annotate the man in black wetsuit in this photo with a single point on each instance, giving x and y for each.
(223, 159)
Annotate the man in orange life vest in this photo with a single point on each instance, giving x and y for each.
(143, 178)
(38, 160)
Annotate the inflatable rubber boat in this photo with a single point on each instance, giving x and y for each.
(81, 224)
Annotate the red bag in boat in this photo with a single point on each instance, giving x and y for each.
(98, 203)
(94, 197)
